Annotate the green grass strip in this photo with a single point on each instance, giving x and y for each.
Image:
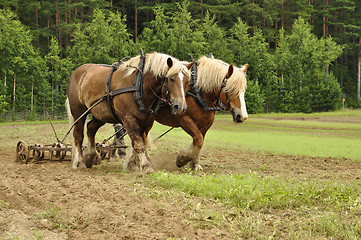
(256, 193)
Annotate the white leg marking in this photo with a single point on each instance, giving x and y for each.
(75, 158)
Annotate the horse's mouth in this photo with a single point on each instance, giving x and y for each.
(237, 118)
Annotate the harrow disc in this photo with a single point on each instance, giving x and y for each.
(38, 154)
(22, 152)
(103, 153)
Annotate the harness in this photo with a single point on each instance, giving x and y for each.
(197, 94)
(137, 88)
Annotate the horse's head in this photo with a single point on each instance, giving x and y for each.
(177, 77)
(233, 100)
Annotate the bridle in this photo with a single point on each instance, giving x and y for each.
(224, 83)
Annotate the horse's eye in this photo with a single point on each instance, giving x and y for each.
(171, 79)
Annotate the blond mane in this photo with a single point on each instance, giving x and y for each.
(156, 63)
(211, 73)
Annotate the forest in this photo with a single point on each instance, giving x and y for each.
(303, 56)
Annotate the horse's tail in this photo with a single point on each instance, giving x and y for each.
(71, 122)
(70, 116)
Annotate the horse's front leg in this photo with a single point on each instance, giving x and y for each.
(91, 156)
(192, 152)
(138, 157)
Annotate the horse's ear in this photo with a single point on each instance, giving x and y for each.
(169, 62)
(244, 68)
(190, 65)
(230, 71)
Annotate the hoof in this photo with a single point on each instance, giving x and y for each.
(130, 166)
(147, 170)
(97, 159)
(182, 161)
(196, 167)
(89, 160)
(79, 165)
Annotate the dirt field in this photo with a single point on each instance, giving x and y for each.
(49, 200)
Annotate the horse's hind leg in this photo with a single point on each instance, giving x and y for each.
(91, 156)
(192, 153)
(77, 150)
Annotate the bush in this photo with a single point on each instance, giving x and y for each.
(254, 97)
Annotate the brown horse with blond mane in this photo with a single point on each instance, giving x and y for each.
(86, 89)
(215, 79)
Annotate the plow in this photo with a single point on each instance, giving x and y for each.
(57, 152)
(61, 151)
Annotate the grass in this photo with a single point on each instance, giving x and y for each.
(253, 192)
(329, 210)
(328, 138)
(274, 207)
(54, 215)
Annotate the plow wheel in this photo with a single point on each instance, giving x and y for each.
(22, 152)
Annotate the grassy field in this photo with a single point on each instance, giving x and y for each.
(265, 201)
(337, 135)
(311, 209)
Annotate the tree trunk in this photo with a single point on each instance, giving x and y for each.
(14, 93)
(201, 11)
(276, 34)
(359, 71)
(57, 23)
(32, 97)
(282, 16)
(325, 18)
(135, 21)
(5, 87)
(36, 18)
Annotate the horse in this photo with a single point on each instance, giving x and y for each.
(131, 105)
(215, 80)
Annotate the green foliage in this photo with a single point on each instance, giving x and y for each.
(302, 61)
(184, 38)
(215, 39)
(254, 97)
(261, 193)
(291, 69)
(155, 37)
(102, 40)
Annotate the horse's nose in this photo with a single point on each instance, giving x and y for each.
(175, 108)
(239, 118)
(178, 108)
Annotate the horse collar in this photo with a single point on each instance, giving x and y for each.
(196, 93)
(138, 82)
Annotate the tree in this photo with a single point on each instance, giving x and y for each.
(17, 54)
(184, 37)
(102, 40)
(306, 79)
(155, 37)
(215, 39)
